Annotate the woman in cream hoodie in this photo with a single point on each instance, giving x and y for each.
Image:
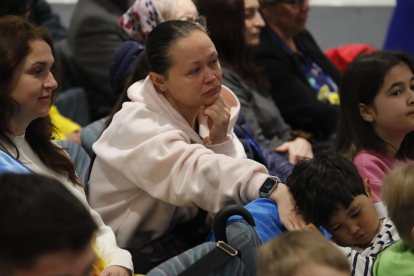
(172, 148)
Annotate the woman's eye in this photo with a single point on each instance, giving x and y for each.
(396, 93)
(195, 71)
(248, 14)
(356, 214)
(214, 62)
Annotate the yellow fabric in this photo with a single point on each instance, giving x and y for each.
(326, 95)
(100, 264)
(63, 124)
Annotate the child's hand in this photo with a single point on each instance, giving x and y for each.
(299, 147)
(311, 227)
(218, 121)
(115, 271)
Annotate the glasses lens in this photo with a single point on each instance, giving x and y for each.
(202, 21)
(298, 4)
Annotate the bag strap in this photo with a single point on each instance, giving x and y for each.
(212, 261)
(223, 253)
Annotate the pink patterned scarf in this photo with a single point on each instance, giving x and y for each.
(139, 20)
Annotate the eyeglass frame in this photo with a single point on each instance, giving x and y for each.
(297, 6)
(201, 20)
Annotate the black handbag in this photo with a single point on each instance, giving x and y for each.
(180, 239)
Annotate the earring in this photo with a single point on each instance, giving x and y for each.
(370, 119)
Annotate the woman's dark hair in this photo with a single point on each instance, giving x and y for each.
(15, 37)
(156, 57)
(14, 7)
(361, 83)
(39, 215)
(226, 28)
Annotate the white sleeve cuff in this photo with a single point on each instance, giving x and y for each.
(227, 148)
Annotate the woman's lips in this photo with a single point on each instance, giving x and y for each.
(213, 91)
(46, 98)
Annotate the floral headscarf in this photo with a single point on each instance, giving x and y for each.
(139, 20)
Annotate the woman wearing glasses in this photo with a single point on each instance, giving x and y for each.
(303, 81)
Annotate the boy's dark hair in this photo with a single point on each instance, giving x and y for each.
(39, 215)
(318, 185)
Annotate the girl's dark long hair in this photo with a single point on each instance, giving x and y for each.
(361, 83)
(15, 37)
(226, 28)
(156, 57)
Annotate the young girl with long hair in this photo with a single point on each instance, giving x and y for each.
(29, 77)
(376, 124)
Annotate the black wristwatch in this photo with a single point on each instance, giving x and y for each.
(269, 186)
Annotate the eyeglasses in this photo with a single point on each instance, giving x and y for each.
(297, 4)
(201, 20)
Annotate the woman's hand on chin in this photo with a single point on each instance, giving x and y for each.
(218, 121)
(286, 206)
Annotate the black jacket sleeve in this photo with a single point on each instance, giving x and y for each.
(290, 88)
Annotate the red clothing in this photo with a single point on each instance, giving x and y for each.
(375, 167)
(343, 55)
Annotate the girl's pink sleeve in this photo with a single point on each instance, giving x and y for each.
(373, 168)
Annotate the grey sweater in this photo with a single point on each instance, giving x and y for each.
(261, 113)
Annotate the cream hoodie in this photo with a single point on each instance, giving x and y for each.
(152, 170)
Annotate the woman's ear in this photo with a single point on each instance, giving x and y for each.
(158, 81)
(368, 189)
(412, 234)
(367, 113)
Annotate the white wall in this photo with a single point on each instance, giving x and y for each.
(312, 2)
(338, 3)
(332, 22)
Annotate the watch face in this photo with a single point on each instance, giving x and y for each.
(267, 186)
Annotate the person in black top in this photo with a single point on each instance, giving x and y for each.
(304, 82)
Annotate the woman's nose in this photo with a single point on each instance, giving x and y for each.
(210, 76)
(50, 82)
(305, 6)
(259, 22)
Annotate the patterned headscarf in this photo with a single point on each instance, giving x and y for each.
(139, 20)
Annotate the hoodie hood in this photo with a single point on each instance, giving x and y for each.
(144, 92)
